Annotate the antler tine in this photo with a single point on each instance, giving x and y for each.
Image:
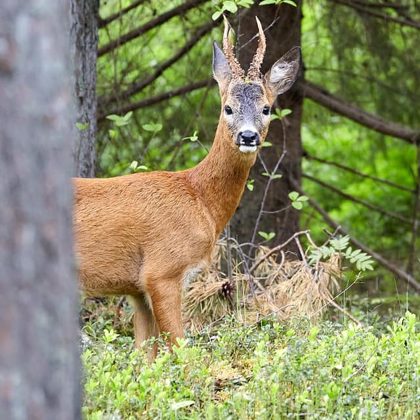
(229, 52)
(254, 68)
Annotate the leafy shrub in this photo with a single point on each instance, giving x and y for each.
(265, 370)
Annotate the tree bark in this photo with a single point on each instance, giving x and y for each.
(284, 34)
(39, 362)
(84, 34)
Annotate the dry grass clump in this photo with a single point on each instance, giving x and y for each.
(284, 288)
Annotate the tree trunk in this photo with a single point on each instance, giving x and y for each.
(284, 34)
(84, 34)
(39, 362)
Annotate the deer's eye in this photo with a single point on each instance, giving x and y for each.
(228, 110)
(266, 110)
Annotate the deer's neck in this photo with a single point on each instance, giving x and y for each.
(221, 177)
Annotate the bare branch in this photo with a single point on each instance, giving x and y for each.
(382, 5)
(358, 200)
(159, 20)
(123, 109)
(358, 173)
(408, 278)
(357, 6)
(120, 13)
(326, 99)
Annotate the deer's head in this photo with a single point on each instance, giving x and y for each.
(247, 98)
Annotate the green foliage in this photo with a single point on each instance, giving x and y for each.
(279, 114)
(267, 236)
(250, 184)
(297, 200)
(135, 167)
(120, 121)
(262, 371)
(232, 6)
(362, 261)
(82, 126)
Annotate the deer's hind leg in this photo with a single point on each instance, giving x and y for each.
(145, 326)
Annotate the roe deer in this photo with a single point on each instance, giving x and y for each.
(144, 234)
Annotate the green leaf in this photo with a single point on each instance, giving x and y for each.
(250, 184)
(267, 236)
(284, 112)
(245, 3)
(230, 6)
(297, 205)
(291, 2)
(113, 117)
(193, 138)
(119, 121)
(267, 2)
(82, 126)
(217, 14)
(340, 243)
(303, 198)
(152, 127)
(112, 133)
(293, 195)
(133, 165)
(267, 144)
(127, 116)
(272, 176)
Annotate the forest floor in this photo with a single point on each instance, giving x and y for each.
(268, 370)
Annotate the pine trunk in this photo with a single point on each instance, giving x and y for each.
(39, 358)
(84, 34)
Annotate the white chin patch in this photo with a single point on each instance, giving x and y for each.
(248, 149)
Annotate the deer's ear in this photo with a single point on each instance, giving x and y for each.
(284, 72)
(221, 69)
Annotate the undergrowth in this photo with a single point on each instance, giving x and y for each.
(267, 370)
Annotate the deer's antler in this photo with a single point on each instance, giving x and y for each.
(237, 71)
(254, 68)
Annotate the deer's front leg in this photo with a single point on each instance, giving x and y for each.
(144, 324)
(165, 295)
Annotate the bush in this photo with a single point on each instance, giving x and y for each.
(265, 370)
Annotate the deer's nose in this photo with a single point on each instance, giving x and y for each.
(248, 138)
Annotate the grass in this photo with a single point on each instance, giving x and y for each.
(261, 371)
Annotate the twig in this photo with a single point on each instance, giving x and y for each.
(264, 198)
(270, 180)
(106, 21)
(123, 109)
(341, 309)
(400, 21)
(228, 253)
(275, 249)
